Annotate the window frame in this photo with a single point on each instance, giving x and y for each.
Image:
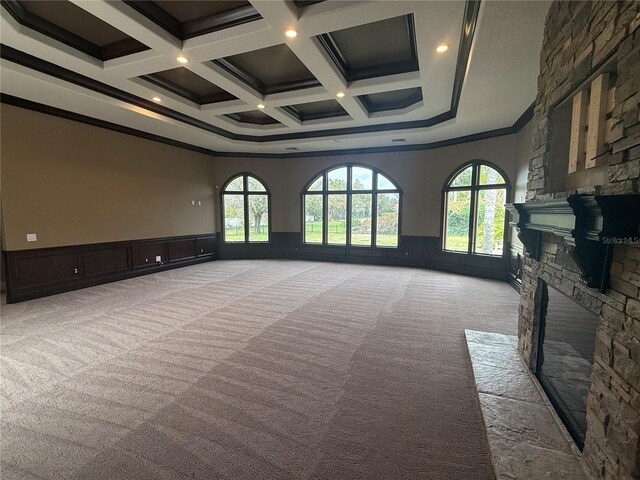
(474, 188)
(349, 192)
(246, 194)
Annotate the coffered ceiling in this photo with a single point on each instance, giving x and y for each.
(247, 87)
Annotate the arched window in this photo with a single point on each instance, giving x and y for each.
(351, 205)
(246, 204)
(474, 213)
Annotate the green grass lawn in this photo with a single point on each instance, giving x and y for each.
(337, 235)
(461, 243)
(237, 235)
(457, 243)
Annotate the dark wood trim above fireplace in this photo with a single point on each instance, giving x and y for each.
(591, 224)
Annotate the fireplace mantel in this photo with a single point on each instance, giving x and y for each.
(590, 224)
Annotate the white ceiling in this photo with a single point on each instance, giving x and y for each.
(499, 85)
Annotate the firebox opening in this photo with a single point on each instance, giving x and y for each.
(566, 340)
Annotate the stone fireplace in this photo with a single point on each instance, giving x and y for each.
(586, 144)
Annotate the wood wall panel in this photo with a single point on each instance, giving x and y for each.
(144, 254)
(105, 260)
(41, 272)
(181, 249)
(206, 245)
(37, 270)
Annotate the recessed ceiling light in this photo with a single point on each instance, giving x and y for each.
(260, 106)
(156, 99)
(182, 59)
(291, 32)
(340, 94)
(443, 47)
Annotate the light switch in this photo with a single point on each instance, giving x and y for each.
(193, 202)
(32, 237)
(199, 203)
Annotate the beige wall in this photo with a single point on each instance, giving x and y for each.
(420, 174)
(72, 183)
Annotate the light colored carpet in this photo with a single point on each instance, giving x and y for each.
(261, 369)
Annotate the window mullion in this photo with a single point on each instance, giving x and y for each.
(473, 212)
(325, 210)
(224, 221)
(374, 219)
(246, 217)
(348, 212)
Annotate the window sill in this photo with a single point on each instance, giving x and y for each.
(246, 243)
(467, 254)
(342, 245)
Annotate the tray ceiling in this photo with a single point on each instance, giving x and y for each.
(247, 87)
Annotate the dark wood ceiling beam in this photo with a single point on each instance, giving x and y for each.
(471, 11)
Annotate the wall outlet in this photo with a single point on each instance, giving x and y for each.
(32, 237)
(193, 202)
(158, 258)
(199, 203)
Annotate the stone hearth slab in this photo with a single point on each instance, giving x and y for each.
(527, 440)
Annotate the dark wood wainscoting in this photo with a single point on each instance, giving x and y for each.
(45, 271)
(41, 272)
(414, 251)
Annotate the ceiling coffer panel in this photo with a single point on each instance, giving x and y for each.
(65, 22)
(187, 84)
(316, 110)
(269, 70)
(254, 117)
(192, 18)
(305, 3)
(396, 100)
(372, 50)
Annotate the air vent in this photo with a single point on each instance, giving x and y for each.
(292, 148)
(398, 140)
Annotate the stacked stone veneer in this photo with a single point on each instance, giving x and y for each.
(578, 37)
